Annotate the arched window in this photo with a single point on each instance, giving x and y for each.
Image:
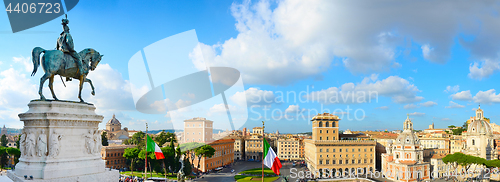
(473, 142)
(320, 124)
(326, 124)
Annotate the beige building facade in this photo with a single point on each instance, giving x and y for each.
(289, 149)
(324, 152)
(198, 130)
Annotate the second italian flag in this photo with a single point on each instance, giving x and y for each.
(270, 159)
(151, 146)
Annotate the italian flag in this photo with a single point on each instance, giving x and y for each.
(151, 146)
(270, 158)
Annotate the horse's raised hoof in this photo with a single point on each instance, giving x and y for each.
(93, 93)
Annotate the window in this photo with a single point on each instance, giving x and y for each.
(327, 161)
(320, 131)
(327, 150)
(326, 138)
(326, 131)
(320, 161)
(320, 138)
(340, 161)
(320, 150)
(346, 161)
(326, 124)
(352, 150)
(333, 161)
(320, 124)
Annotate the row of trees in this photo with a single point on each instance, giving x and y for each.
(467, 161)
(5, 151)
(136, 156)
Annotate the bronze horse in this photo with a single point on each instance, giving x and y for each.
(55, 62)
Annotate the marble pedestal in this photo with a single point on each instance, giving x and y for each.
(61, 142)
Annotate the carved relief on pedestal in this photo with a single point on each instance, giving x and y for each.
(30, 144)
(89, 141)
(41, 144)
(97, 142)
(55, 145)
(22, 143)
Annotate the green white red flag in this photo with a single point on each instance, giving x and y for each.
(151, 146)
(270, 159)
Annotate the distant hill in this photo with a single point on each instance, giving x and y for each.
(173, 131)
(306, 133)
(14, 131)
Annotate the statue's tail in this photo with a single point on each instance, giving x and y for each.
(35, 55)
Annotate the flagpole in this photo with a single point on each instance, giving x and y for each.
(263, 138)
(146, 163)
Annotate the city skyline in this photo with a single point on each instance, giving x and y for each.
(436, 65)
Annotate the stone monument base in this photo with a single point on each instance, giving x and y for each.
(107, 176)
(61, 141)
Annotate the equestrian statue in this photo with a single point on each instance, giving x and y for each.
(65, 62)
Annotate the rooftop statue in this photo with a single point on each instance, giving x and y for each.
(65, 62)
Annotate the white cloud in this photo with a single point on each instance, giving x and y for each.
(452, 89)
(483, 69)
(221, 109)
(26, 61)
(410, 106)
(398, 89)
(382, 107)
(426, 51)
(253, 96)
(417, 114)
(291, 40)
(428, 104)
(294, 109)
(487, 97)
(454, 105)
(463, 95)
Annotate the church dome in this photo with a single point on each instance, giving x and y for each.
(407, 137)
(113, 121)
(479, 127)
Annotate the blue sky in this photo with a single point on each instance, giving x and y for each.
(434, 60)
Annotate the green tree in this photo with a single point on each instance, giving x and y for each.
(451, 126)
(4, 141)
(168, 152)
(204, 151)
(187, 167)
(458, 131)
(3, 156)
(164, 137)
(138, 139)
(104, 138)
(189, 149)
(151, 156)
(465, 125)
(15, 153)
(131, 154)
(17, 141)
